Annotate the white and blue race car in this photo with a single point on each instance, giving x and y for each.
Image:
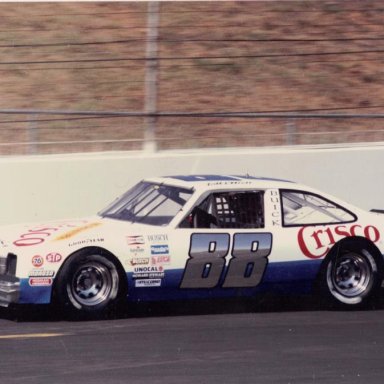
(200, 236)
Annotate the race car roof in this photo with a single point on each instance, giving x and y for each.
(216, 182)
(206, 181)
(197, 178)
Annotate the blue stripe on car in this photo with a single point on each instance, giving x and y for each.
(35, 294)
(283, 277)
(293, 277)
(196, 178)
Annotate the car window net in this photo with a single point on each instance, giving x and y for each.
(230, 210)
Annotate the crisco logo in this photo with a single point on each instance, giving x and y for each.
(316, 242)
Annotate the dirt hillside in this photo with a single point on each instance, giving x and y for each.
(273, 56)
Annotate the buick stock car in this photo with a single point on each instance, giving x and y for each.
(198, 236)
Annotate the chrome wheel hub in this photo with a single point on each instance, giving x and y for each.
(91, 284)
(350, 275)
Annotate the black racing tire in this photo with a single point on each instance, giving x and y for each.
(351, 278)
(89, 285)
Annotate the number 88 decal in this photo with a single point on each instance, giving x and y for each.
(207, 260)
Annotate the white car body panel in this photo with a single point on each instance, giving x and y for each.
(157, 259)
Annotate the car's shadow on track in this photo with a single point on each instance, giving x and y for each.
(268, 303)
(42, 313)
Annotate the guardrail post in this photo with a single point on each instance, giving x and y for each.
(290, 132)
(32, 135)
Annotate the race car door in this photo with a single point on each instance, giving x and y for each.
(227, 246)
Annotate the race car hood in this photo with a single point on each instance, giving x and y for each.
(16, 237)
(33, 234)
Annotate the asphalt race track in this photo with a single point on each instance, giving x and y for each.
(204, 342)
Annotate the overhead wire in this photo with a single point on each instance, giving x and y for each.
(195, 57)
(68, 44)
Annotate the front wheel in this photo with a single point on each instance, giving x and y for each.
(89, 284)
(351, 278)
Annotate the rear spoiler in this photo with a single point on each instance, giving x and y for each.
(377, 211)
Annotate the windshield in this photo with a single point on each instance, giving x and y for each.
(148, 203)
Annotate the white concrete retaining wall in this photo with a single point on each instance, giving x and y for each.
(40, 188)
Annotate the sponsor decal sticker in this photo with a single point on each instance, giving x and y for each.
(148, 272)
(40, 281)
(136, 250)
(157, 238)
(53, 257)
(148, 283)
(85, 242)
(37, 261)
(139, 261)
(159, 250)
(41, 273)
(315, 242)
(148, 269)
(135, 240)
(160, 259)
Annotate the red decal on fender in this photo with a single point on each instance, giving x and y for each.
(315, 242)
(306, 248)
(38, 235)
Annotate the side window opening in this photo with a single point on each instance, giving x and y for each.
(229, 210)
(302, 208)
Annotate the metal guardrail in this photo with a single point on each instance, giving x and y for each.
(150, 140)
(279, 115)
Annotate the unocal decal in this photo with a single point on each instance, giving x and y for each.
(316, 242)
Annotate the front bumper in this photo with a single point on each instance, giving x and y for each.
(9, 290)
(9, 283)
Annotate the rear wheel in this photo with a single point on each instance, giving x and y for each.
(89, 284)
(351, 278)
